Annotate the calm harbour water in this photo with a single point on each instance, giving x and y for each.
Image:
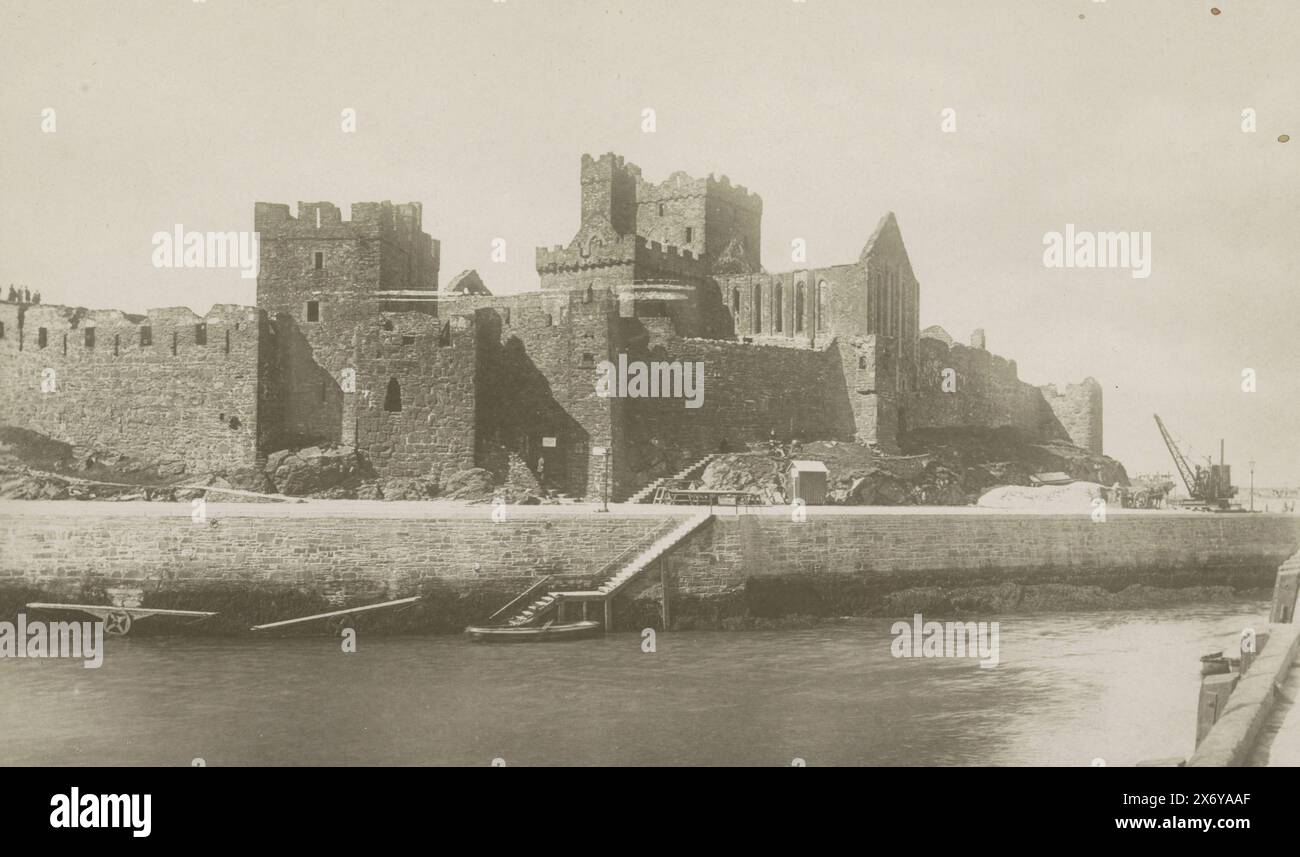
(1072, 687)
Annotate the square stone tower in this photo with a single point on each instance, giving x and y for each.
(319, 277)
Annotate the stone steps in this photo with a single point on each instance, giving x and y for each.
(611, 585)
(645, 494)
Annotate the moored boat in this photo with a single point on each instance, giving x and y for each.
(525, 633)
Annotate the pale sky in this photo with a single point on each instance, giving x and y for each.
(1129, 118)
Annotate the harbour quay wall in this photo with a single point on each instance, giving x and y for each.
(258, 563)
(265, 562)
(894, 561)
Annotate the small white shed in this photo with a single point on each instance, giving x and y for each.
(807, 481)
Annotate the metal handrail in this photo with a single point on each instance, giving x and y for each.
(521, 596)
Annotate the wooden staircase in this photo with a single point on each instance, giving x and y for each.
(646, 494)
(540, 602)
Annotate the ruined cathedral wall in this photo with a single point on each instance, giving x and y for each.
(989, 394)
(749, 392)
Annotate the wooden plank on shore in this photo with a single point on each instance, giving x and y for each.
(138, 612)
(348, 612)
(238, 492)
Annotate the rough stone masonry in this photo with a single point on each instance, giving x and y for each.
(353, 343)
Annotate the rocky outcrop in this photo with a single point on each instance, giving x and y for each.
(948, 467)
(316, 470)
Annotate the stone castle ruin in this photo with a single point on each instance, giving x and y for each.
(353, 343)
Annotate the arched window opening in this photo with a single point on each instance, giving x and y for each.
(393, 398)
(758, 309)
(778, 315)
(799, 290)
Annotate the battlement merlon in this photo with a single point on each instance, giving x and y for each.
(409, 257)
(274, 219)
(595, 255)
(608, 190)
(681, 185)
(606, 166)
(62, 317)
(627, 250)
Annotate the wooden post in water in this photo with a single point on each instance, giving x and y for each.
(1215, 690)
(1285, 589)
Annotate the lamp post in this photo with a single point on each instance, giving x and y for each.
(603, 452)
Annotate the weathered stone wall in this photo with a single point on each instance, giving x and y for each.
(835, 563)
(169, 387)
(750, 391)
(415, 397)
(834, 304)
(357, 544)
(887, 553)
(538, 355)
(315, 310)
(724, 220)
(609, 191)
(989, 394)
(1078, 410)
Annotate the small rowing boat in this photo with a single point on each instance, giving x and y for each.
(525, 634)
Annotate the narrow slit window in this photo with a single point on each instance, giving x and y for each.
(319, 261)
(313, 310)
(393, 398)
(42, 337)
(117, 344)
(90, 337)
(200, 334)
(146, 336)
(175, 338)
